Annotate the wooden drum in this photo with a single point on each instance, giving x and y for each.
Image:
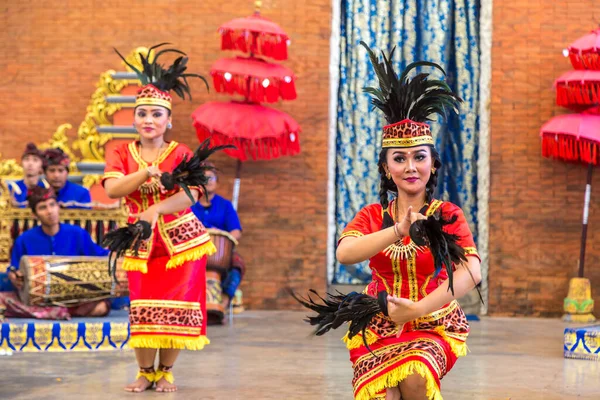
(225, 243)
(214, 298)
(68, 280)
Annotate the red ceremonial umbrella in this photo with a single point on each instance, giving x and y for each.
(575, 138)
(578, 88)
(254, 78)
(584, 53)
(255, 34)
(258, 132)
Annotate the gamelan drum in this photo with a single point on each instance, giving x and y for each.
(225, 244)
(68, 280)
(214, 298)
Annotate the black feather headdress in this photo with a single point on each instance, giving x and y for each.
(408, 104)
(154, 75)
(192, 172)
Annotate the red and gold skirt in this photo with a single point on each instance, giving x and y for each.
(429, 347)
(168, 306)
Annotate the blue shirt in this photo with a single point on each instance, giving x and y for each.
(70, 240)
(220, 214)
(22, 198)
(73, 192)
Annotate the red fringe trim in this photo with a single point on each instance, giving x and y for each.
(586, 93)
(259, 149)
(569, 148)
(254, 90)
(259, 43)
(589, 60)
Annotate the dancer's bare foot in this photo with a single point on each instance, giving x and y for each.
(164, 386)
(143, 382)
(165, 383)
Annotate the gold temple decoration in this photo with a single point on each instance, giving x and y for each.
(10, 168)
(90, 180)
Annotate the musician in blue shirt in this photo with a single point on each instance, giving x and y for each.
(68, 194)
(32, 163)
(217, 212)
(51, 237)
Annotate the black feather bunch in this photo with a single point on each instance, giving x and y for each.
(166, 79)
(192, 172)
(356, 308)
(120, 240)
(444, 248)
(417, 98)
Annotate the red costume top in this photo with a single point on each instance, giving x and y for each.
(182, 235)
(410, 275)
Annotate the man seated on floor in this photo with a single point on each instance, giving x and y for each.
(50, 238)
(68, 194)
(217, 212)
(32, 162)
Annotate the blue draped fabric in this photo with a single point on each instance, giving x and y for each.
(443, 31)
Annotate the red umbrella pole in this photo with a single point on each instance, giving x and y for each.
(586, 209)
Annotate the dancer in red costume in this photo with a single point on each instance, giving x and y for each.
(167, 275)
(407, 329)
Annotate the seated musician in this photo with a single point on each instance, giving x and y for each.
(51, 238)
(68, 194)
(32, 161)
(217, 212)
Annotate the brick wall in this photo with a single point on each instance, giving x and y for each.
(55, 50)
(535, 203)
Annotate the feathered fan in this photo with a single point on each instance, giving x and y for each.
(444, 248)
(172, 78)
(415, 99)
(120, 240)
(356, 308)
(191, 172)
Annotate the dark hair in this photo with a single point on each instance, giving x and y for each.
(387, 184)
(38, 194)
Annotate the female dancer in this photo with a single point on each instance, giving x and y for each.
(167, 275)
(425, 330)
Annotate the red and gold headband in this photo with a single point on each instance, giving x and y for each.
(406, 133)
(38, 194)
(56, 157)
(150, 95)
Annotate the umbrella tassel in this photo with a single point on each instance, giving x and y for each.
(560, 95)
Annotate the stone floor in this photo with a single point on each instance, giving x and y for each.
(269, 355)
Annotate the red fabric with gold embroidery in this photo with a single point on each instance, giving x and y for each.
(167, 278)
(428, 346)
